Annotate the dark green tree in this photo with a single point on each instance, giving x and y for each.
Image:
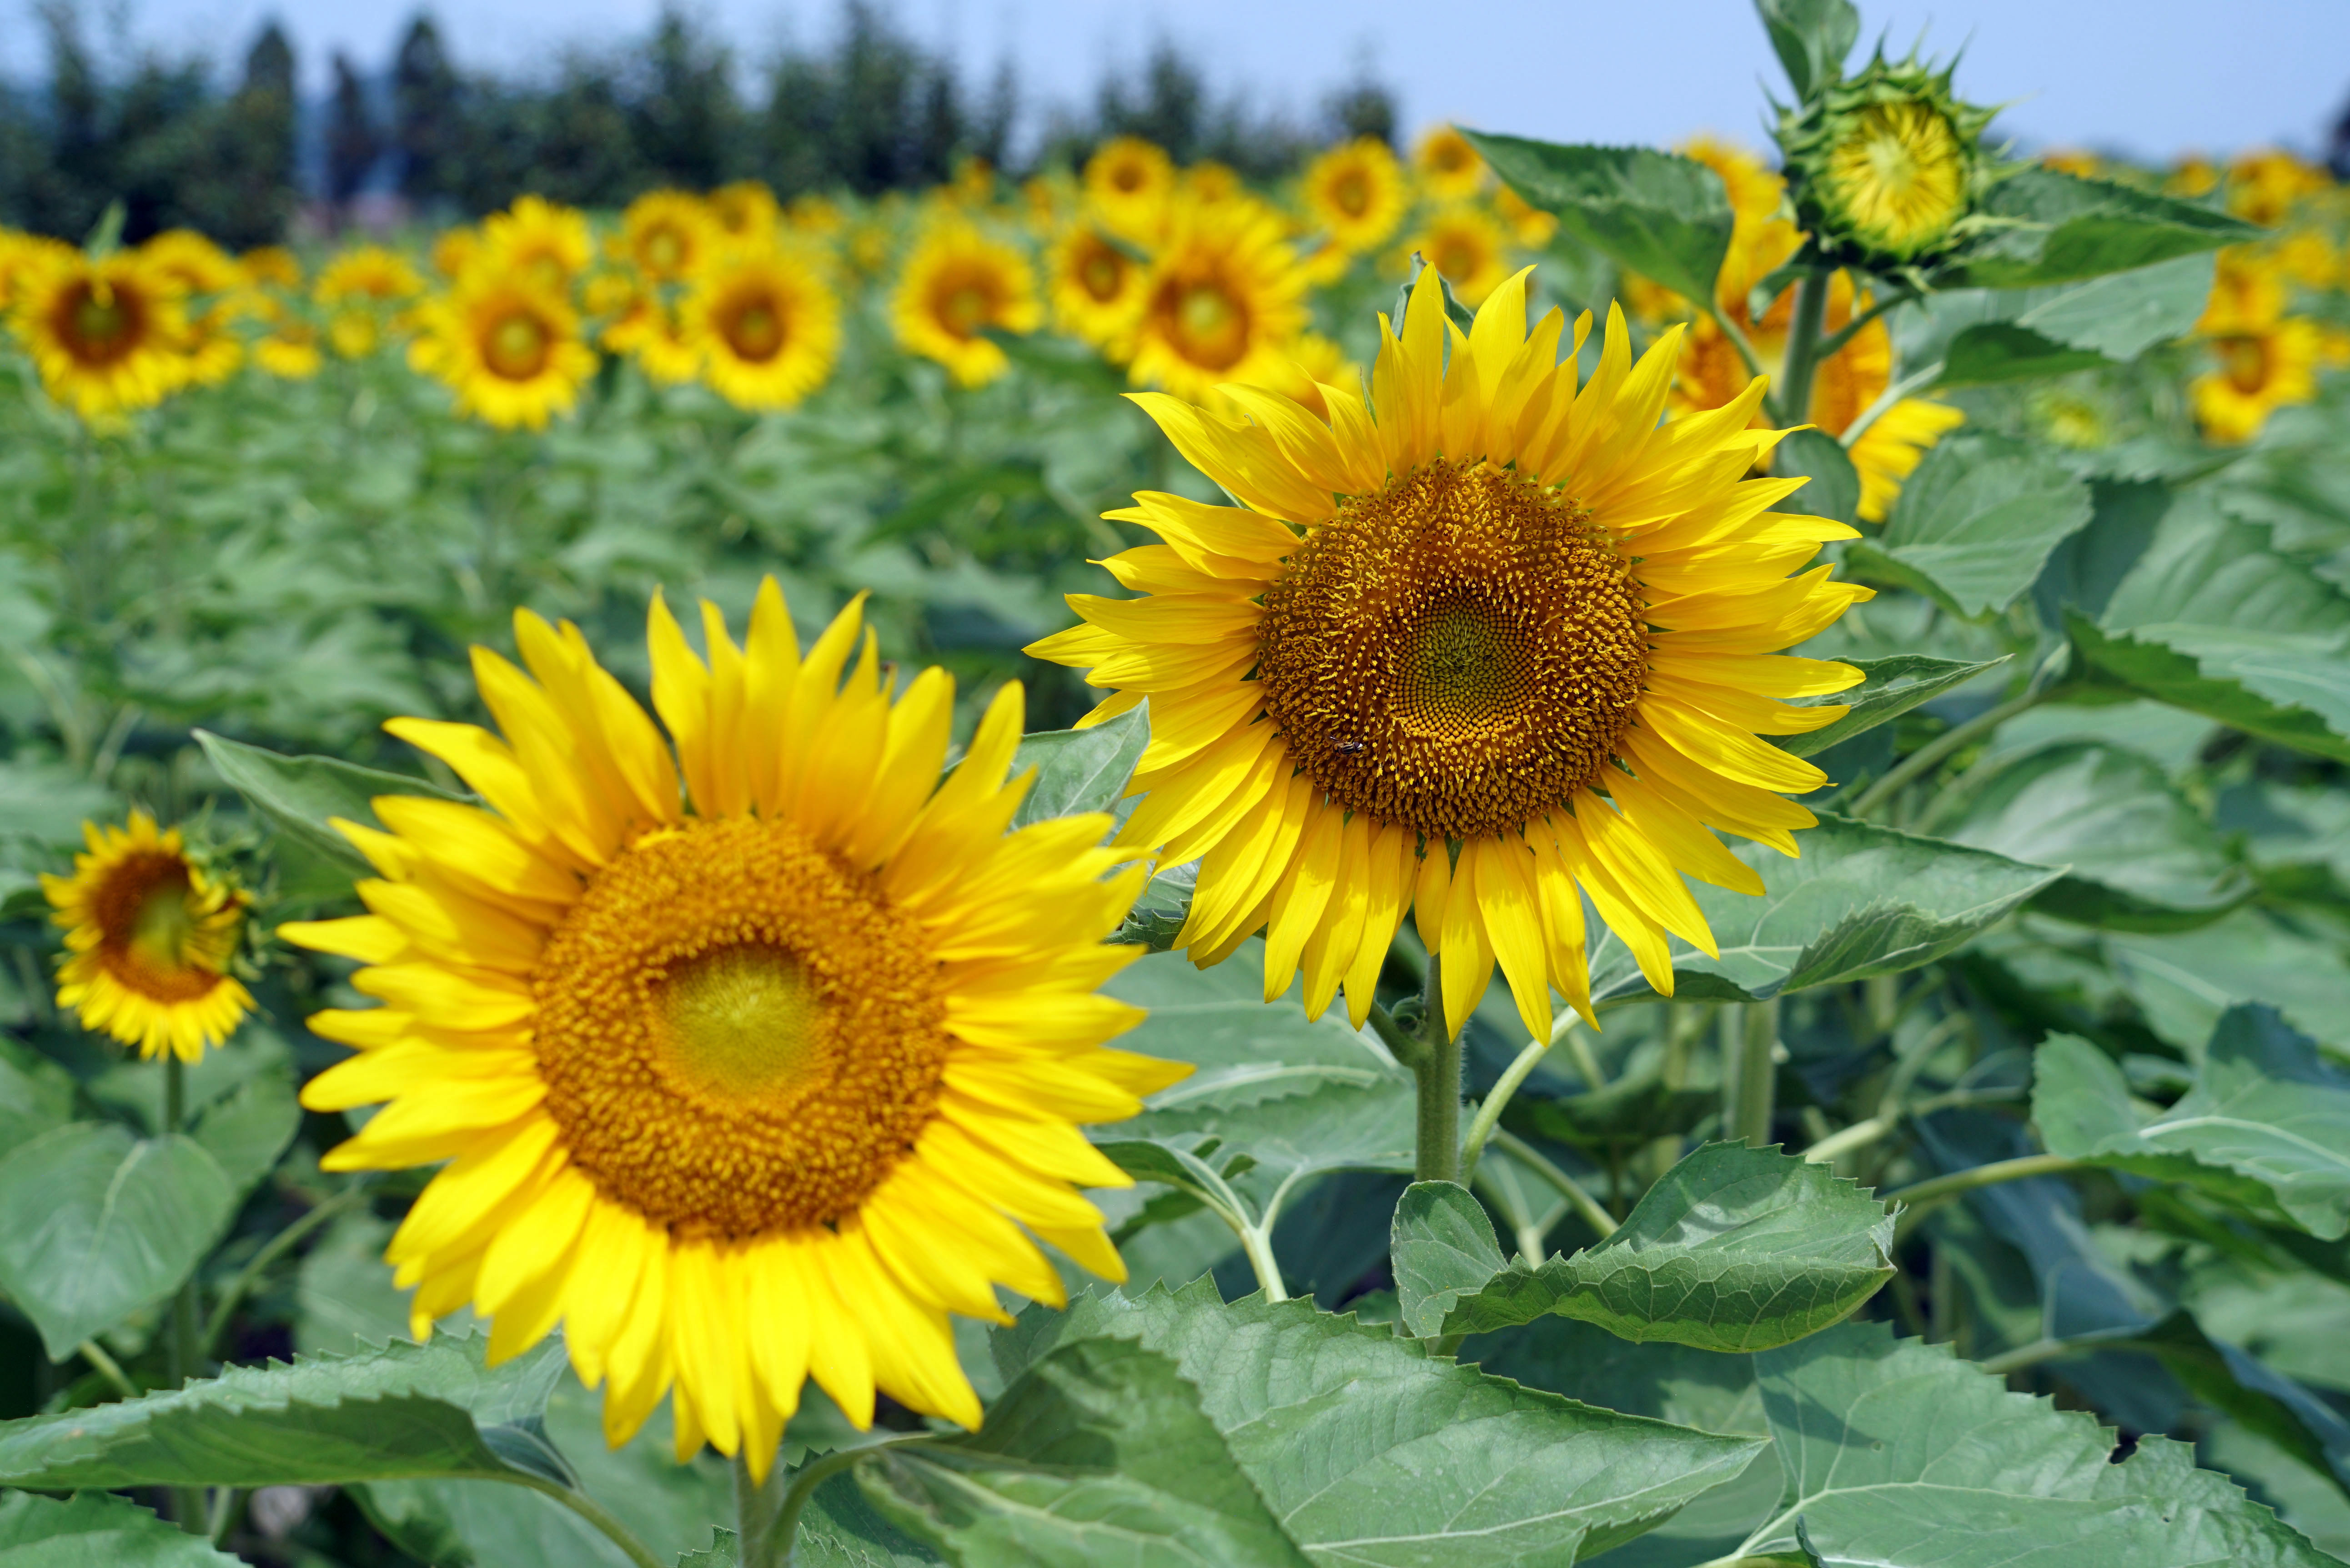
(355, 143)
(685, 118)
(428, 111)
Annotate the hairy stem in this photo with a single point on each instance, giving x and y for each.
(1256, 1241)
(1437, 1148)
(1757, 1073)
(1794, 393)
(182, 1345)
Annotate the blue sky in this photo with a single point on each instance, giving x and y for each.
(2155, 79)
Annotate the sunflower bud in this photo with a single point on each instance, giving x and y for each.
(1887, 168)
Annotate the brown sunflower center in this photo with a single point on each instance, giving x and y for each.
(1102, 274)
(755, 329)
(99, 324)
(739, 1033)
(2246, 360)
(965, 304)
(1352, 194)
(515, 345)
(151, 936)
(665, 251)
(1457, 652)
(1204, 321)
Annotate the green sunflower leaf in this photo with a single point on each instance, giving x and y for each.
(1861, 900)
(1896, 1454)
(1977, 521)
(2138, 856)
(2212, 618)
(36, 1096)
(94, 1528)
(1370, 1449)
(2064, 227)
(1893, 686)
(1984, 336)
(96, 1224)
(1098, 1452)
(406, 1410)
(298, 795)
(1276, 1100)
(1664, 216)
(1812, 38)
(1079, 770)
(1834, 490)
(1736, 1250)
(2266, 1113)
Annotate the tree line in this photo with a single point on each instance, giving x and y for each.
(874, 110)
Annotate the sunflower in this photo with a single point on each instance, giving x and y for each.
(1128, 182)
(1490, 641)
(1223, 296)
(765, 327)
(1463, 243)
(665, 234)
(2263, 187)
(22, 253)
(642, 325)
(746, 1090)
(815, 215)
(1531, 227)
(957, 283)
(289, 350)
(271, 266)
(1356, 192)
(149, 934)
(2248, 294)
(746, 209)
(2259, 373)
(1450, 169)
(2193, 175)
(539, 242)
(105, 334)
(512, 356)
(367, 273)
(455, 250)
(213, 292)
(1209, 181)
(1886, 167)
(1097, 286)
(2075, 161)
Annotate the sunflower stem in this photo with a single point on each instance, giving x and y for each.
(1437, 1152)
(1811, 311)
(1756, 1072)
(1930, 754)
(1916, 1199)
(277, 1247)
(183, 1348)
(767, 1514)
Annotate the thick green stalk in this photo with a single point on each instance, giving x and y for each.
(1437, 1148)
(1757, 1073)
(1916, 1199)
(1794, 393)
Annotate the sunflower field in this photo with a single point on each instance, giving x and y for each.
(1518, 854)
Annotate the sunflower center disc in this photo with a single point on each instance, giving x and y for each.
(98, 328)
(1101, 276)
(756, 332)
(1205, 322)
(738, 1034)
(146, 929)
(516, 347)
(1457, 652)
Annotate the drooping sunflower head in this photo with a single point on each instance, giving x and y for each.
(1494, 644)
(1464, 244)
(1223, 299)
(106, 334)
(958, 282)
(1450, 169)
(512, 354)
(537, 243)
(758, 1048)
(765, 326)
(1097, 285)
(1355, 193)
(1128, 182)
(1886, 167)
(150, 934)
(665, 234)
(373, 274)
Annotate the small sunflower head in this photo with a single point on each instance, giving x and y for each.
(1886, 167)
